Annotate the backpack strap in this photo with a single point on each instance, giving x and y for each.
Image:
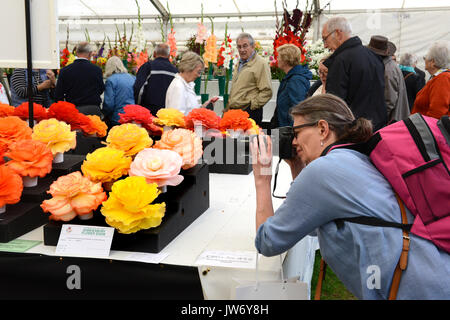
(409, 74)
(403, 261)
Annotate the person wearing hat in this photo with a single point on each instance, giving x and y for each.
(395, 92)
(355, 73)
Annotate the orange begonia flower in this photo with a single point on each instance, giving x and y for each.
(11, 186)
(30, 158)
(12, 129)
(6, 110)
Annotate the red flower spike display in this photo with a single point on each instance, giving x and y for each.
(292, 30)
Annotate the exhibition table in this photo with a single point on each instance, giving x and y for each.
(227, 226)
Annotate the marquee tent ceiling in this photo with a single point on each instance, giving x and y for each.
(179, 8)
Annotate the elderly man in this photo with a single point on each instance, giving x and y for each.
(153, 79)
(81, 82)
(252, 82)
(395, 92)
(413, 81)
(355, 73)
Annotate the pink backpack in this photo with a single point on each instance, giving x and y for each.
(414, 156)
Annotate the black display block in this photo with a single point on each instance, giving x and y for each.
(227, 155)
(21, 218)
(38, 193)
(184, 204)
(72, 163)
(86, 144)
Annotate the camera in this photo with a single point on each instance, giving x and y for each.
(284, 142)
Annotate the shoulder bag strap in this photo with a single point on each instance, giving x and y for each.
(403, 261)
(409, 74)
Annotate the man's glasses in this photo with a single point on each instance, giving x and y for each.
(245, 46)
(325, 39)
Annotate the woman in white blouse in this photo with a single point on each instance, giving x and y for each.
(180, 94)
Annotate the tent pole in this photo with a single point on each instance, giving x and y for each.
(29, 63)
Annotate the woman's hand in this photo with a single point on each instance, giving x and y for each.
(261, 151)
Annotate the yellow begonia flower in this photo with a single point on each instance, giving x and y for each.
(255, 129)
(129, 137)
(57, 135)
(170, 117)
(106, 164)
(129, 208)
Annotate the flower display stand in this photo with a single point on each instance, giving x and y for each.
(184, 204)
(86, 144)
(229, 155)
(72, 162)
(20, 218)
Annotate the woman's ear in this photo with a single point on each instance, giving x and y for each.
(324, 129)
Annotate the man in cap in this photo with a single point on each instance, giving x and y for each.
(395, 92)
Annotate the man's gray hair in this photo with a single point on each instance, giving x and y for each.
(339, 23)
(440, 54)
(162, 50)
(84, 48)
(248, 36)
(407, 59)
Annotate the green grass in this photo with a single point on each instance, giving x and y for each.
(332, 287)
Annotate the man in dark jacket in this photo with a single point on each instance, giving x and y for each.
(153, 79)
(81, 82)
(355, 73)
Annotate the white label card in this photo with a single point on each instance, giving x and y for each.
(84, 241)
(155, 258)
(231, 259)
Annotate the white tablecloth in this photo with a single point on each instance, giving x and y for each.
(228, 225)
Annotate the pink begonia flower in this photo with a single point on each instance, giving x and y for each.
(201, 33)
(158, 166)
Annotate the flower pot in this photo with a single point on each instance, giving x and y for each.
(3, 209)
(29, 182)
(221, 80)
(205, 97)
(163, 189)
(210, 74)
(58, 158)
(87, 216)
(198, 83)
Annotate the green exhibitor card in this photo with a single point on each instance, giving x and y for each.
(18, 245)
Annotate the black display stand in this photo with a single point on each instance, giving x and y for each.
(72, 163)
(86, 144)
(184, 203)
(227, 155)
(21, 218)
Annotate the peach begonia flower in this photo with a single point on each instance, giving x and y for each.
(73, 195)
(129, 137)
(30, 158)
(57, 135)
(158, 166)
(12, 129)
(6, 110)
(129, 208)
(185, 142)
(11, 186)
(106, 164)
(170, 117)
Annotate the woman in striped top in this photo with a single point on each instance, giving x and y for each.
(43, 82)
